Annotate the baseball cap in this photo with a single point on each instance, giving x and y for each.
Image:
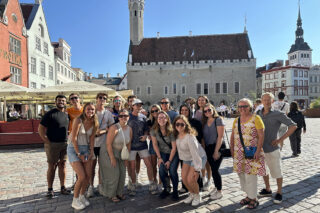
(137, 101)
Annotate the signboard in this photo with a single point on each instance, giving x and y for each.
(11, 57)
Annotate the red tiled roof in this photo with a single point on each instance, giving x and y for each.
(207, 47)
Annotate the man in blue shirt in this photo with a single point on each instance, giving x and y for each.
(139, 145)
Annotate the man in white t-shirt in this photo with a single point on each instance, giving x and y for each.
(282, 106)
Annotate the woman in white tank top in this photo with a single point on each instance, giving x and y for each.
(80, 152)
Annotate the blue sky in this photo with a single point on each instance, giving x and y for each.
(98, 30)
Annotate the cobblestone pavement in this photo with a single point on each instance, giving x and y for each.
(23, 185)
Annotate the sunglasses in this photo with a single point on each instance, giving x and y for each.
(117, 101)
(180, 124)
(164, 102)
(153, 111)
(123, 116)
(162, 118)
(243, 106)
(104, 98)
(208, 110)
(74, 98)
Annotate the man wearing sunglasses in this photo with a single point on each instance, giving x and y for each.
(139, 146)
(165, 106)
(75, 110)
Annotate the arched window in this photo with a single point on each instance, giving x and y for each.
(135, 13)
(41, 33)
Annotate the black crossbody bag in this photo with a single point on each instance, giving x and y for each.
(225, 152)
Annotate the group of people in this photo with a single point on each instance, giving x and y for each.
(118, 137)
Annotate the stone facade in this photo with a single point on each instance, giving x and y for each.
(221, 67)
(217, 80)
(40, 51)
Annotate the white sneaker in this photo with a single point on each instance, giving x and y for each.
(196, 200)
(217, 195)
(132, 190)
(84, 200)
(189, 199)
(89, 191)
(213, 191)
(153, 188)
(129, 186)
(77, 204)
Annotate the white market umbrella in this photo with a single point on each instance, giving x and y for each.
(85, 89)
(11, 91)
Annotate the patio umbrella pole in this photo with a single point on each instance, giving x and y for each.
(5, 109)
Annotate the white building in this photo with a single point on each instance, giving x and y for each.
(293, 78)
(221, 67)
(65, 73)
(40, 50)
(314, 82)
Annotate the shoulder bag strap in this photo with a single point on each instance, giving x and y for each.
(240, 133)
(120, 129)
(283, 106)
(164, 140)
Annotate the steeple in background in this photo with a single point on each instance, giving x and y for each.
(300, 52)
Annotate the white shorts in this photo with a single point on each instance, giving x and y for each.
(142, 153)
(273, 162)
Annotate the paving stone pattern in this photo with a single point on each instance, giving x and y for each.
(23, 185)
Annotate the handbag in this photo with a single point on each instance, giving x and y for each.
(124, 152)
(224, 151)
(249, 151)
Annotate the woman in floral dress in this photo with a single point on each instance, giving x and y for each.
(252, 129)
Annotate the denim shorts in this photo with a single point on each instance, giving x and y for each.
(151, 149)
(72, 155)
(190, 162)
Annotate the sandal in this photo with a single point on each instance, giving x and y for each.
(253, 204)
(121, 197)
(245, 201)
(115, 200)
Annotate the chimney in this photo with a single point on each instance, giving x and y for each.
(118, 74)
(190, 33)
(158, 35)
(90, 75)
(108, 75)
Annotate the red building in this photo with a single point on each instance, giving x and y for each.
(13, 43)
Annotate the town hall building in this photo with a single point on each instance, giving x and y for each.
(222, 67)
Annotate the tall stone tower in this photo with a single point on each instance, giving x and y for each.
(136, 9)
(300, 52)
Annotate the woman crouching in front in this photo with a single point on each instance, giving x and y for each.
(80, 152)
(193, 156)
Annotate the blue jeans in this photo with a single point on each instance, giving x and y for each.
(173, 171)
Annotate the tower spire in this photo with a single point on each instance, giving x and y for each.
(245, 24)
